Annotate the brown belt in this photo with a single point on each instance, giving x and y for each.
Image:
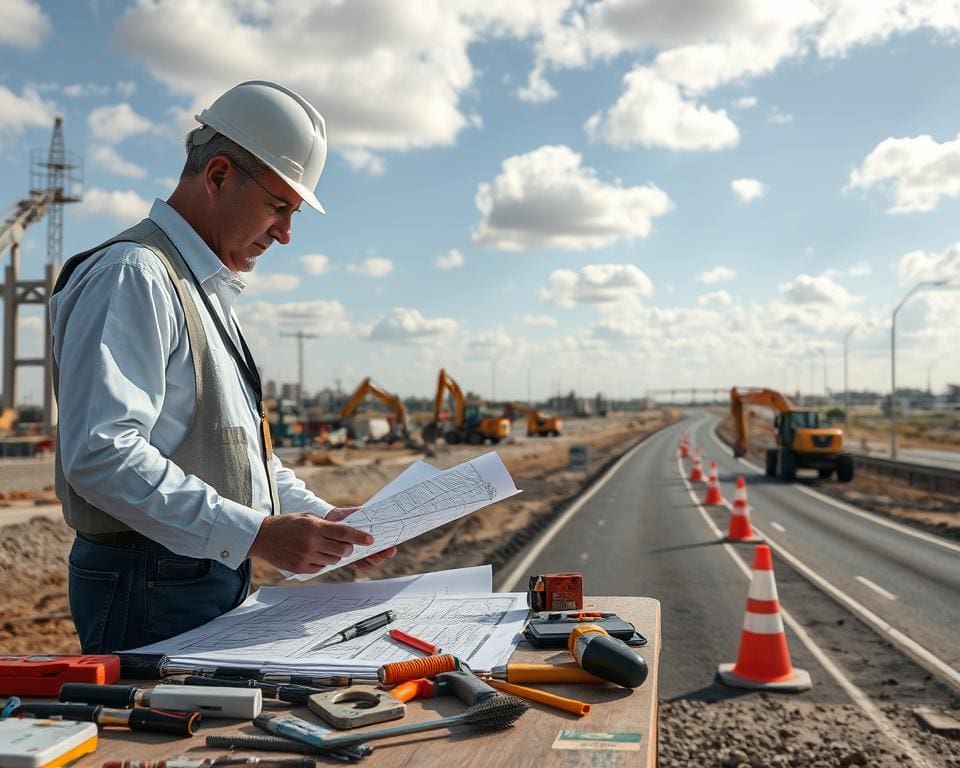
(120, 537)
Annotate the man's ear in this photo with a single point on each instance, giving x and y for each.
(215, 174)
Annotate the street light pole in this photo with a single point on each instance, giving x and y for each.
(846, 385)
(893, 359)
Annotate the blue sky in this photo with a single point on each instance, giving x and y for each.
(548, 195)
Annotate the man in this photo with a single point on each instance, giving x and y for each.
(164, 462)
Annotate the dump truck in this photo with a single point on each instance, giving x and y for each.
(468, 423)
(801, 442)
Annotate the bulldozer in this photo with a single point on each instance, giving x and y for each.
(801, 442)
(538, 424)
(398, 429)
(468, 423)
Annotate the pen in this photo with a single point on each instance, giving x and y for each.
(360, 628)
(414, 642)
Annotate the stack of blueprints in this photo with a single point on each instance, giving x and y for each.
(278, 629)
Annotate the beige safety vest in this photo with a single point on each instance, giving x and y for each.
(211, 450)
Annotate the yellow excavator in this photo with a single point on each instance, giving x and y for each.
(398, 430)
(801, 442)
(468, 423)
(538, 424)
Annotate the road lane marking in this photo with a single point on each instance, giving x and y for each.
(873, 518)
(876, 588)
(520, 574)
(777, 526)
(924, 657)
(855, 693)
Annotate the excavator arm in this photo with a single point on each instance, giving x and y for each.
(367, 387)
(767, 397)
(445, 384)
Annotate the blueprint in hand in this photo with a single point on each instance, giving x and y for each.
(423, 498)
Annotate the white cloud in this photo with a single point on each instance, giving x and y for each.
(597, 284)
(108, 158)
(779, 118)
(315, 263)
(716, 275)
(817, 302)
(449, 260)
(262, 283)
(547, 199)
(745, 102)
(922, 265)
(408, 325)
(920, 170)
(854, 22)
(539, 320)
(19, 112)
(364, 160)
(537, 88)
(123, 205)
(722, 298)
(372, 267)
(24, 26)
(320, 317)
(652, 112)
(860, 269)
(124, 88)
(748, 189)
(117, 122)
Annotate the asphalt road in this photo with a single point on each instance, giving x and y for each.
(641, 534)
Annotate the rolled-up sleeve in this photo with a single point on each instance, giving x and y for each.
(113, 336)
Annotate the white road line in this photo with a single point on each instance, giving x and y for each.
(777, 526)
(920, 654)
(876, 588)
(922, 535)
(520, 574)
(854, 692)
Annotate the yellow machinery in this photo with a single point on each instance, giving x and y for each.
(398, 430)
(538, 424)
(468, 424)
(801, 441)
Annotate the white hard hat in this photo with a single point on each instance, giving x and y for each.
(277, 126)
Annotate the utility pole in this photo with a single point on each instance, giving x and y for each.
(300, 336)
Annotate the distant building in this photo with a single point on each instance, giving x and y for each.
(290, 392)
(270, 388)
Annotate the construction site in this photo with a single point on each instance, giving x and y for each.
(782, 563)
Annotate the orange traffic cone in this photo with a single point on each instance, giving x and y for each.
(713, 498)
(685, 445)
(740, 528)
(696, 473)
(763, 660)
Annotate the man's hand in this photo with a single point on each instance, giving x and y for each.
(303, 543)
(339, 513)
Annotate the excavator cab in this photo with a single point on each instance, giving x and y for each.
(468, 424)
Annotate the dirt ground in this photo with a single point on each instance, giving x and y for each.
(34, 612)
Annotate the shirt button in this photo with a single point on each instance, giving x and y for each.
(225, 554)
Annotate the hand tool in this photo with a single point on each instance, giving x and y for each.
(139, 719)
(239, 703)
(401, 671)
(289, 693)
(606, 656)
(542, 697)
(39, 675)
(543, 673)
(414, 642)
(360, 628)
(378, 706)
(197, 762)
(281, 744)
(553, 630)
(493, 714)
(300, 730)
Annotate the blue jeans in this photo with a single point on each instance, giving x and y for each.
(126, 595)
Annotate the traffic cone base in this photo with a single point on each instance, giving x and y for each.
(763, 659)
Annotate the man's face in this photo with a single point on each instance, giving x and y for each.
(255, 212)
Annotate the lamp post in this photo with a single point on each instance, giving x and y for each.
(893, 359)
(846, 387)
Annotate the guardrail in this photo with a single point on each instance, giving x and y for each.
(917, 475)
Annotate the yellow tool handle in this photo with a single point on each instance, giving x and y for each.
(550, 673)
(552, 700)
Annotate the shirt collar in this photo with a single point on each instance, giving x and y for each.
(204, 262)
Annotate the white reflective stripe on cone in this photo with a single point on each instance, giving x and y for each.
(763, 586)
(763, 623)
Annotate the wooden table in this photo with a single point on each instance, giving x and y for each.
(530, 743)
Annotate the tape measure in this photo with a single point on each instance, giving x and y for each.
(43, 675)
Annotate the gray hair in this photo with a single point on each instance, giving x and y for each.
(203, 144)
